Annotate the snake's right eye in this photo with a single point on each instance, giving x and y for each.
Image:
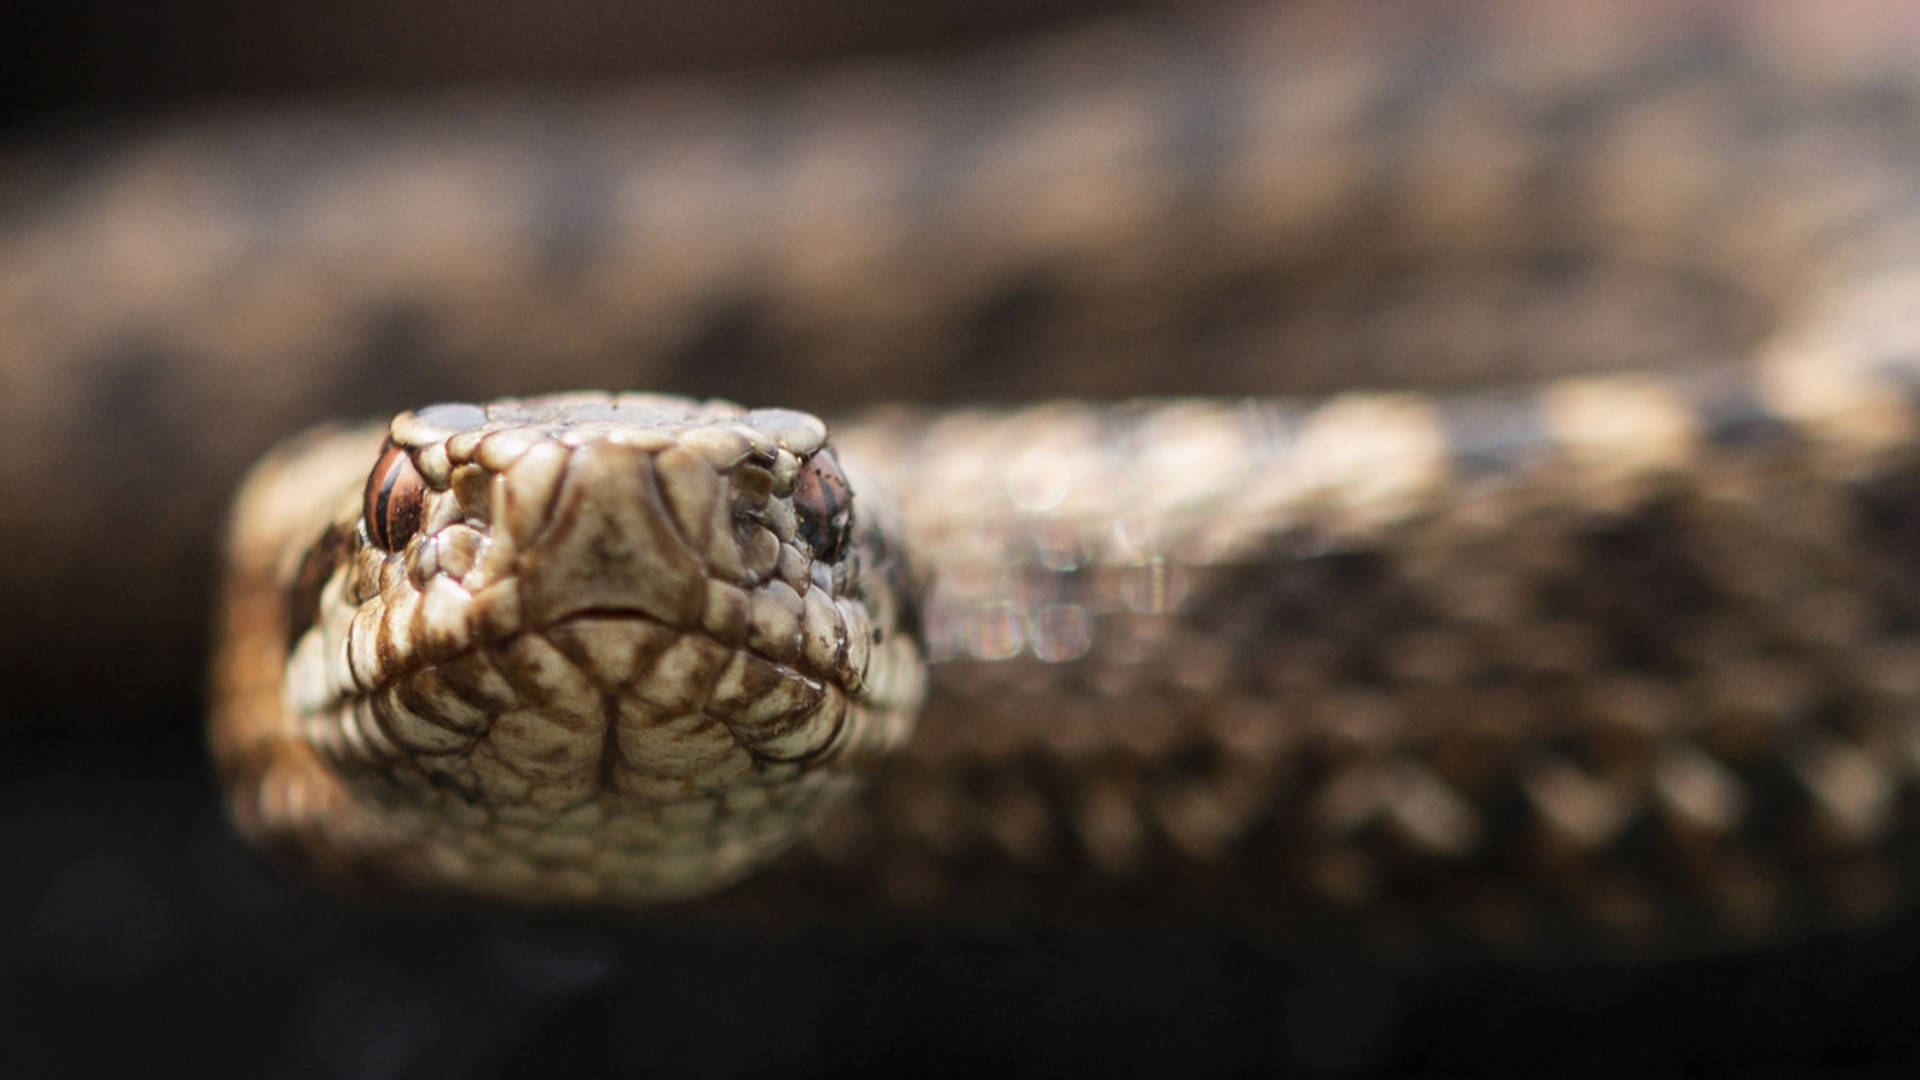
(396, 494)
(825, 506)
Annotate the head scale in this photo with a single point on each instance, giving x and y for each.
(604, 648)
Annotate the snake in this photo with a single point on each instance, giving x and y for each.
(1430, 478)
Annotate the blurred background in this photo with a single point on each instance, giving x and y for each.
(135, 933)
(118, 55)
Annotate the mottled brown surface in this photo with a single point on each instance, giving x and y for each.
(130, 902)
(607, 655)
(1617, 658)
(1170, 208)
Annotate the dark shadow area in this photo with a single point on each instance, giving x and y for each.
(115, 55)
(139, 932)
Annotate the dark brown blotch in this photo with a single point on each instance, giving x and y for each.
(317, 565)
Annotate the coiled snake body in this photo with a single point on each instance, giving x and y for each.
(1618, 637)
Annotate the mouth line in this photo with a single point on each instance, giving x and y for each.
(635, 615)
(626, 613)
(416, 664)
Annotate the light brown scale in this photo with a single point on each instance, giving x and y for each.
(1493, 659)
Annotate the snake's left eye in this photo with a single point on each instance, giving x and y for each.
(824, 504)
(396, 494)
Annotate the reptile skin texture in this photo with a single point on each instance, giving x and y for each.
(1583, 612)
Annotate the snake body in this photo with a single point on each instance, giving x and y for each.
(1595, 617)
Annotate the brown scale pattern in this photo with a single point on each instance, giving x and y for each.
(1682, 713)
(582, 672)
(1633, 659)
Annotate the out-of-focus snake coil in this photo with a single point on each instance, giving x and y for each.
(1595, 616)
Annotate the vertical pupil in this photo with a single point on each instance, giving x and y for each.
(393, 499)
(383, 512)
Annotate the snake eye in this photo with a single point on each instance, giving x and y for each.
(824, 504)
(396, 494)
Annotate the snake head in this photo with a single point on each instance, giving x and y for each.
(593, 648)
